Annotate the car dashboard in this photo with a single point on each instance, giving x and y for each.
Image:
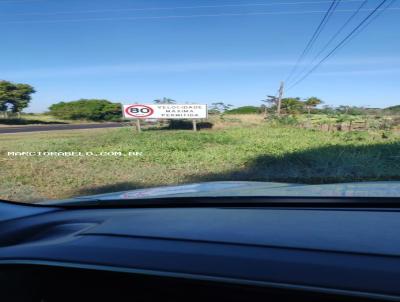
(214, 253)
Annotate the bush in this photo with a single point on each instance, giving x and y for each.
(286, 120)
(244, 110)
(94, 110)
(395, 110)
(187, 124)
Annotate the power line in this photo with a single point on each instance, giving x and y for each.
(379, 12)
(18, 1)
(315, 35)
(336, 34)
(181, 16)
(171, 8)
(341, 43)
(331, 13)
(342, 28)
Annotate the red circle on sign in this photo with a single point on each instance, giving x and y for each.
(139, 114)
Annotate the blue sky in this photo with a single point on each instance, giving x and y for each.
(201, 51)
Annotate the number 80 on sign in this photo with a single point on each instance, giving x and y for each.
(137, 111)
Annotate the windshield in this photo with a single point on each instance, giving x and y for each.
(224, 97)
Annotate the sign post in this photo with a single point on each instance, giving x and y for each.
(194, 125)
(138, 125)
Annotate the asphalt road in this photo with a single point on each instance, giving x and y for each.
(19, 129)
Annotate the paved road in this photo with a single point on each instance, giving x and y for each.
(19, 129)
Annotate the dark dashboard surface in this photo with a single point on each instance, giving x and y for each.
(352, 250)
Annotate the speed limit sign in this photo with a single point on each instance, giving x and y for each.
(165, 111)
(137, 111)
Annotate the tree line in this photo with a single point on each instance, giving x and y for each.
(14, 97)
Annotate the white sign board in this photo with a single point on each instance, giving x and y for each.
(165, 111)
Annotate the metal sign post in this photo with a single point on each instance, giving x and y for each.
(194, 125)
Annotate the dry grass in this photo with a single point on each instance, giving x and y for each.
(233, 120)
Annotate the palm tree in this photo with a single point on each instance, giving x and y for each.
(165, 100)
(312, 102)
(269, 102)
(292, 105)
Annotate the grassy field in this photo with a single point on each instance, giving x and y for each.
(238, 148)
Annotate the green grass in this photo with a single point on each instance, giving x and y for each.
(248, 151)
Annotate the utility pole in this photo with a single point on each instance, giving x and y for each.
(280, 95)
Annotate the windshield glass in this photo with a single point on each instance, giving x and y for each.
(227, 98)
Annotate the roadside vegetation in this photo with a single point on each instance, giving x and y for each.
(237, 147)
(84, 109)
(294, 140)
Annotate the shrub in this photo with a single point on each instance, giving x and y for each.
(187, 124)
(286, 120)
(244, 110)
(94, 110)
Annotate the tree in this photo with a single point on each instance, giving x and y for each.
(392, 110)
(292, 105)
(343, 118)
(17, 96)
(352, 110)
(270, 101)
(3, 109)
(87, 109)
(165, 100)
(220, 108)
(329, 110)
(311, 103)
